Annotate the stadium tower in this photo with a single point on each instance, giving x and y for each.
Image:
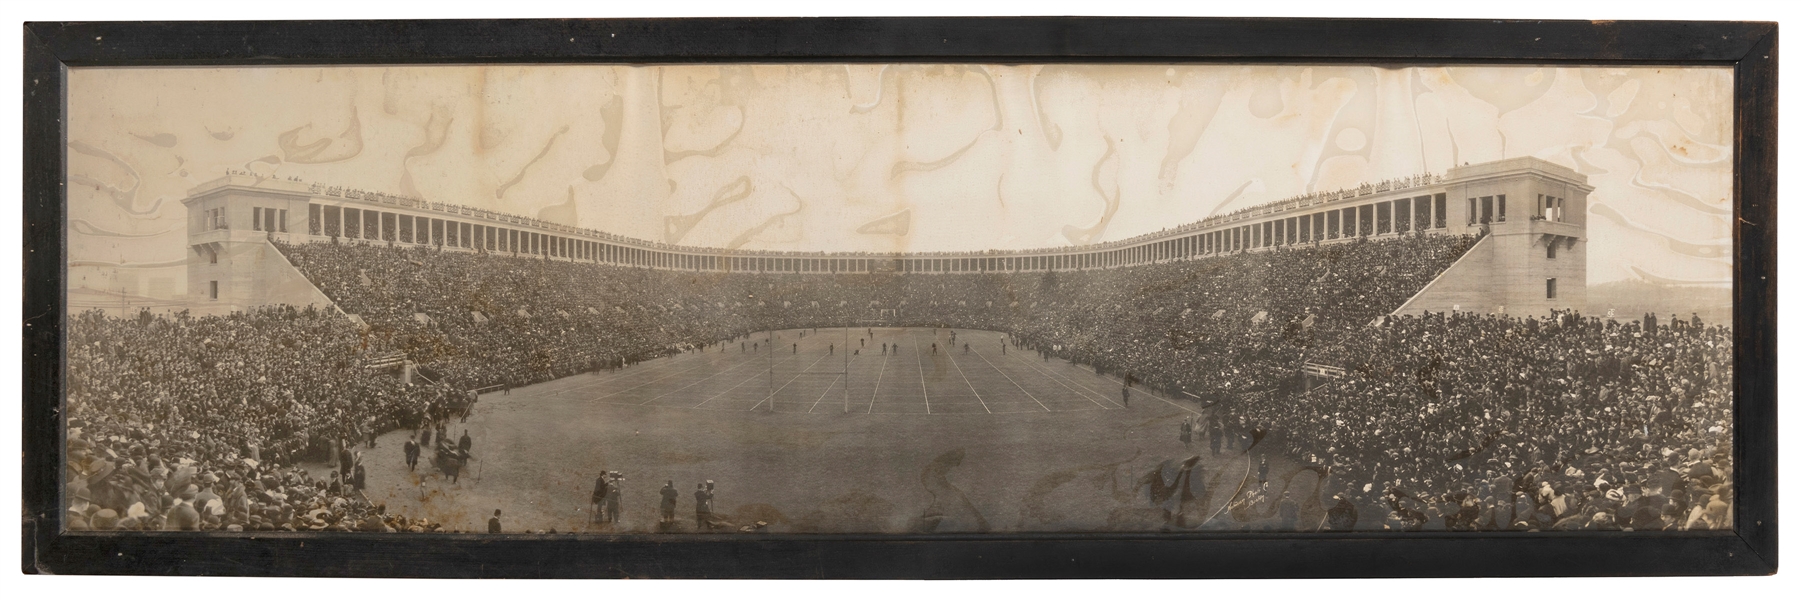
(1533, 257)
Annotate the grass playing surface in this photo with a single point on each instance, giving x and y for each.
(807, 439)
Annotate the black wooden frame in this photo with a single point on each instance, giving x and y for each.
(1750, 48)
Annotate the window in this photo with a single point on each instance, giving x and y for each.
(1501, 207)
(281, 222)
(256, 218)
(212, 256)
(214, 285)
(1472, 212)
(1551, 250)
(1438, 211)
(1551, 287)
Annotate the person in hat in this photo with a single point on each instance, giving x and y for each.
(613, 495)
(1289, 513)
(494, 522)
(1343, 515)
(105, 520)
(453, 466)
(669, 496)
(411, 450)
(597, 500)
(80, 501)
(1216, 433)
(346, 459)
(76, 521)
(182, 516)
(464, 443)
(703, 507)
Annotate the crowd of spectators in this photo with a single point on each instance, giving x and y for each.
(1458, 421)
(200, 423)
(1465, 421)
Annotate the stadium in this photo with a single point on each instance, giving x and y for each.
(1409, 354)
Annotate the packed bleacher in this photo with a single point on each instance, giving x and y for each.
(1483, 422)
(199, 423)
(1440, 422)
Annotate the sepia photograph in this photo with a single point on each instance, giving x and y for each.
(899, 298)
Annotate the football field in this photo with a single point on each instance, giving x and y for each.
(802, 436)
(907, 371)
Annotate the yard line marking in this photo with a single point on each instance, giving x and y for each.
(645, 371)
(753, 377)
(1148, 393)
(922, 374)
(1061, 380)
(646, 383)
(1009, 380)
(652, 365)
(697, 381)
(771, 398)
(828, 389)
(1066, 377)
(1110, 400)
(972, 387)
(878, 385)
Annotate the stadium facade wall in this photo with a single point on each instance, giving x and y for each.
(1526, 264)
(1529, 206)
(233, 263)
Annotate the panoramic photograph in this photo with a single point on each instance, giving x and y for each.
(898, 299)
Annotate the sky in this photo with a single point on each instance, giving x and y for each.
(900, 157)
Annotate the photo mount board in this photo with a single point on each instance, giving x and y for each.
(1749, 48)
